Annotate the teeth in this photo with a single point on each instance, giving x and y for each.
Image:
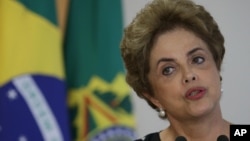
(194, 93)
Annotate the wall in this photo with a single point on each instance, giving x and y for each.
(233, 19)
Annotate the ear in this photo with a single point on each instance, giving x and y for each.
(153, 100)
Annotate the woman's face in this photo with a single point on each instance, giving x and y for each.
(183, 75)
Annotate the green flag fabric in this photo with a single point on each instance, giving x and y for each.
(99, 98)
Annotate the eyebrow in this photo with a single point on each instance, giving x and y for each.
(165, 60)
(172, 60)
(194, 50)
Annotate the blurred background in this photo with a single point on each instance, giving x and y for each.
(62, 77)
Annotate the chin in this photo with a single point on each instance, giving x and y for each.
(203, 109)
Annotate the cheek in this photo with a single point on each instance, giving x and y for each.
(168, 93)
(210, 72)
(215, 74)
(165, 88)
(213, 77)
(213, 80)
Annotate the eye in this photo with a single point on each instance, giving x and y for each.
(168, 70)
(198, 60)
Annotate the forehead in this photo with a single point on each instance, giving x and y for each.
(176, 41)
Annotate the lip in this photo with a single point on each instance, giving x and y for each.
(198, 93)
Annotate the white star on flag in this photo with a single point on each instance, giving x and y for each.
(12, 94)
(22, 138)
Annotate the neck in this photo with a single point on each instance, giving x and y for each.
(205, 128)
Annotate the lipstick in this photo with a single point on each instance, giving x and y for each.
(195, 93)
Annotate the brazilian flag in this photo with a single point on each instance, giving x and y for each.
(32, 87)
(99, 101)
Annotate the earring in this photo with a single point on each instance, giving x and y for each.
(221, 90)
(162, 113)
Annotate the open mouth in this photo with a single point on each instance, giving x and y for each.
(195, 93)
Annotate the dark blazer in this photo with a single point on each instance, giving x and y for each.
(151, 137)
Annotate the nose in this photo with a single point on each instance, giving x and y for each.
(189, 77)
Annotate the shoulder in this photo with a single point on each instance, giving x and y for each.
(150, 137)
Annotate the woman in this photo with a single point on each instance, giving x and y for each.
(173, 51)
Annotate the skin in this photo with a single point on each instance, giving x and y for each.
(181, 63)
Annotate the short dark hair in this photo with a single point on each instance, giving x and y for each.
(158, 17)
